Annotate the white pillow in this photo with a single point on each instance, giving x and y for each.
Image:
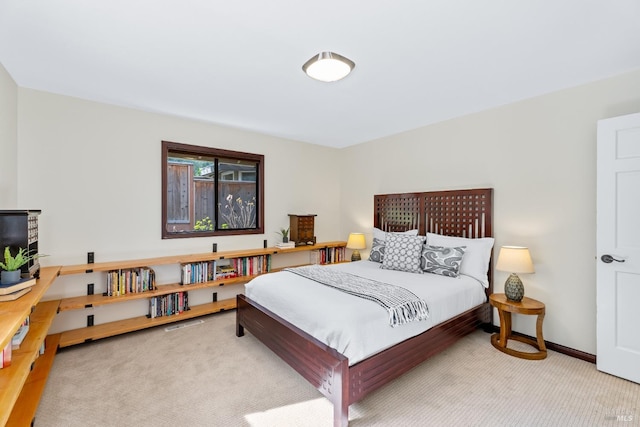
(382, 235)
(477, 255)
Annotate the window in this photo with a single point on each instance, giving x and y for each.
(211, 192)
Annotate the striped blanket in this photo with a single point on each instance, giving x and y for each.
(402, 305)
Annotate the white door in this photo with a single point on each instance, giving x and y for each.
(618, 247)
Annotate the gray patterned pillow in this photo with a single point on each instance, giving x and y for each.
(377, 250)
(402, 253)
(441, 260)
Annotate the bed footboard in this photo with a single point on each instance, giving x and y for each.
(329, 371)
(322, 366)
(372, 373)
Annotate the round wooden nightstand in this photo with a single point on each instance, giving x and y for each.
(526, 306)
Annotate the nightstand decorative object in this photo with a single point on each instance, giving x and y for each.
(514, 259)
(301, 229)
(356, 242)
(525, 306)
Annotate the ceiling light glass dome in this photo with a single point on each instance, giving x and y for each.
(328, 67)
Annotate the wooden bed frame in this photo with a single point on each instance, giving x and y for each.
(465, 213)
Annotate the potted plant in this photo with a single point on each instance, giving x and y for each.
(11, 265)
(285, 234)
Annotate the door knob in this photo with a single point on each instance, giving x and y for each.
(608, 259)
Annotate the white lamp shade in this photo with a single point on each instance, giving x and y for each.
(356, 241)
(515, 259)
(328, 67)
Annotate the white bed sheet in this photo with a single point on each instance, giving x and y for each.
(356, 327)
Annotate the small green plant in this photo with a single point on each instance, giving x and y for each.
(284, 232)
(12, 263)
(204, 224)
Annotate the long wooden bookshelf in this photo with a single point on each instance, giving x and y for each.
(189, 258)
(22, 382)
(89, 333)
(105, 330)
(87, 301)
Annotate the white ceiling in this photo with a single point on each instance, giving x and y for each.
(238, 63)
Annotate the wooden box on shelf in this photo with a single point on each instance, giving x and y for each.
(302, 229)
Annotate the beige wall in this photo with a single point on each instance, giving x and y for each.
(95, 171)
(8, 140)
(539, 155)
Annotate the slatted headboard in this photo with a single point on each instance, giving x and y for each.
(464, 213)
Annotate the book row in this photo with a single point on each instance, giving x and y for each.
(15, 343)
(328, 255)
(168, 305)
(207, 271)
(128, 281)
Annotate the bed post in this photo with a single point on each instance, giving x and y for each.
(340, 398)
(322, 366)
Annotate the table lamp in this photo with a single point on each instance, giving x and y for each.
(356, 242)
(514, 259)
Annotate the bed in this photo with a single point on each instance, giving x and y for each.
(465, 214)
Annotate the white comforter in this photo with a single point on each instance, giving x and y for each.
(356, 327)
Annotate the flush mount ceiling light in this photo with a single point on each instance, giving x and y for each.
(328, 67)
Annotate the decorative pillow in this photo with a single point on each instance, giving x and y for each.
(382, 235)
(377, 250)
(476, 255)
(379, 237)
(402, 252)
(441, 260)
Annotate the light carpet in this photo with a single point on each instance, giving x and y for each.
(204, 375)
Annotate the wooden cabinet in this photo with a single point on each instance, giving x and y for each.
(302, 229)
(243, 257)
(22, 383)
